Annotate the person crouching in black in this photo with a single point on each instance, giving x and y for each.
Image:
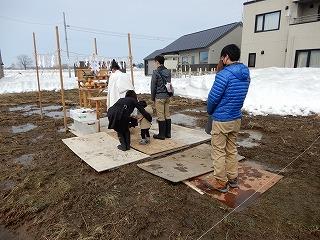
(120, 119)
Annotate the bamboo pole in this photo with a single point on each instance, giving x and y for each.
(130, 58)
(61, 81)
(67, 45)
(37, 70)
(95, 47)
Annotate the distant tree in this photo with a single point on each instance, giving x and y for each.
(24, 61)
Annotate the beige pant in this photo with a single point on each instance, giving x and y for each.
(224, 149)
(162, 109)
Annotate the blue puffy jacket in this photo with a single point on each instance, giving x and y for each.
(228, 93)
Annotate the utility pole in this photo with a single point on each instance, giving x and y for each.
(95, 47)
(61, 81)
(130, 58)
(67, 45)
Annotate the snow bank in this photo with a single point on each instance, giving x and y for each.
(282, 91)
(26, 81)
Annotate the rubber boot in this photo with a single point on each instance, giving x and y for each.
(168, 128)
(122, 140)
(127, 139)
(162, 131)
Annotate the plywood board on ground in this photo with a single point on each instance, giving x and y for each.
(253, 182)
(155, 147)
(100, 151)
(182, 165)
(182, 137)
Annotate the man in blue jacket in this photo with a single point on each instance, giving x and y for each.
(225, 101)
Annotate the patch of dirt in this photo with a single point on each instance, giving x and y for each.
(59, 197)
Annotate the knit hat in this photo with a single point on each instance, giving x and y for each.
(233, 51)
(115, 65)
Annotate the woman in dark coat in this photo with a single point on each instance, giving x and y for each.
(120, 119)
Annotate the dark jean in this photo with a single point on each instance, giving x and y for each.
(145, 133)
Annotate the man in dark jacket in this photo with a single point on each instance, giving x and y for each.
(119, 116)
(160, 96)
(225, 101)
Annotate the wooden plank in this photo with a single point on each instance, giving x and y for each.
(180, 166)
(155, 147)
(99, 150)
(253, 182)
(183, 165)
(182, 137)
(98, 98)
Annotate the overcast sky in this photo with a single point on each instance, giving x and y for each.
(165, 19)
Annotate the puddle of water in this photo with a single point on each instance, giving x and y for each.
(7, 185)
(251, 141)
(263, 166)
(53, 111)
(23, 128)
(25, 160)
(52, 114)
(241, 199)
(55, 115)
(185, 120)
(52, 108)
(24, 108)
(197, 110)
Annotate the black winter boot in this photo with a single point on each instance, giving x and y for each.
(168, 128)
(122, 140)
(127, 139)
(162, 131)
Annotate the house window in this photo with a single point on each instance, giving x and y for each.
(307, 58)
(192, 59)
(204, 57)
(185, 60)
(252, 60)
(268, 22)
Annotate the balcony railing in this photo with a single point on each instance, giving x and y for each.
(306, 19)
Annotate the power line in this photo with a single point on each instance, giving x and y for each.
(91, 30)
(117, 34)
(26, 21)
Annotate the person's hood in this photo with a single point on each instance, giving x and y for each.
(239, 70)
(164, 71)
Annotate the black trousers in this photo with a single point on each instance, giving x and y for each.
(124, 138)
(145, 133)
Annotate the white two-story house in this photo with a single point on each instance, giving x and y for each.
(281, 33)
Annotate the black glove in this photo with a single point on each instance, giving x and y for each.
(133, 122)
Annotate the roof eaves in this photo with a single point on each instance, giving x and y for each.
(253, 1)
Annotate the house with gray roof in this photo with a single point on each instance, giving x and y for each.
(197, 50)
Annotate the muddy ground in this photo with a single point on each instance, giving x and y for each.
(49, 194)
